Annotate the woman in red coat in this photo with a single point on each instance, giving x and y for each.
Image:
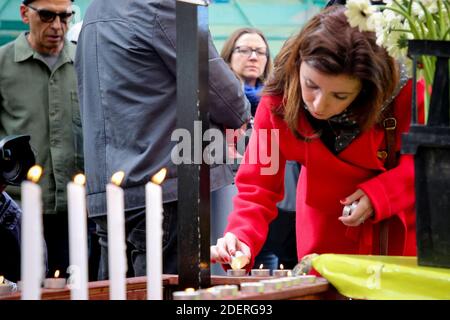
(323, 107)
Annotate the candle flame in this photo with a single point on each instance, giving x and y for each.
(117, 178)
(158, 178)
(281, 266)
(57, 274)
(261, 266)
(189, 290)
(2, 278)
(34, 174)
(80, 179)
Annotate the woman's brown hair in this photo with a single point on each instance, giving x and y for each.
(229, 46)
(328, 44)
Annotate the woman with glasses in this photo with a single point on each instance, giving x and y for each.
(247, 53)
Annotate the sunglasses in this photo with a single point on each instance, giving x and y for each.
(48, 16)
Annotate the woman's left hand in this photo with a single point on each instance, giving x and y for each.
(362, 212)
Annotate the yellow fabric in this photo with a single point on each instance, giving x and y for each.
(383, 277)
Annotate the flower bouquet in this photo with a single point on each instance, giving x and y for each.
(397, 21)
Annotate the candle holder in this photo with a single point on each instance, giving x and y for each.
(54, 283)
(236, 273)
(252, 287)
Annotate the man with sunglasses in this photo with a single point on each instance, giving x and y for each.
(38, 96)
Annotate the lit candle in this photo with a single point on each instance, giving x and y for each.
(78, 269)
(153, 221)
(32, 251)
(55, 283)
(282, 272)
(4, 287)
(188, 294)
(260, 272)
(117, 260)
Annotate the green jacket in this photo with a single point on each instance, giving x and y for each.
(43, 103)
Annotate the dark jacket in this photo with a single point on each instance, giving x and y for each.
(10, 219)
(126, 66)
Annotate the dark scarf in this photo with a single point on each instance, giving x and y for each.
(340, 130)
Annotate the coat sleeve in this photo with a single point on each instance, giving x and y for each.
(260, 183)
(393, 191)
(228, 105)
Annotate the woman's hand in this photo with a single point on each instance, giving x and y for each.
(227, 247)
(363, 211)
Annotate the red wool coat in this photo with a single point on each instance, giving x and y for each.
(326, 178)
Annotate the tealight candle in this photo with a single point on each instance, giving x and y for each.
(188, 294)
(287, 282)
(236, 273)
(55, 283)
(307, 278)
(272, 285)
(282, 272)
(4, 287)
(239, 260)
(209, 294)
(228, 290)
(252, 287)
(260, 272)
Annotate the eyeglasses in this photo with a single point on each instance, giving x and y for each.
(247, 51)
(48, 16)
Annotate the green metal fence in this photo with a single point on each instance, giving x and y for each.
(278, 19)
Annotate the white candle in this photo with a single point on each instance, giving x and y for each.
(117, 259)
(78, 269)
(154, 220)
(32, 251)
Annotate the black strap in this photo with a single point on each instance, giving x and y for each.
(390, 124)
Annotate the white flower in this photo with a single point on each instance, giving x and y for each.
(358, 13)
(375, 21)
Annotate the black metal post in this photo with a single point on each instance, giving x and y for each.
(192, 115)
(430, 145)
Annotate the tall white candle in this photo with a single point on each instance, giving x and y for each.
(154, 220)
(78, 243)
(32, 251)
(117, 259)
